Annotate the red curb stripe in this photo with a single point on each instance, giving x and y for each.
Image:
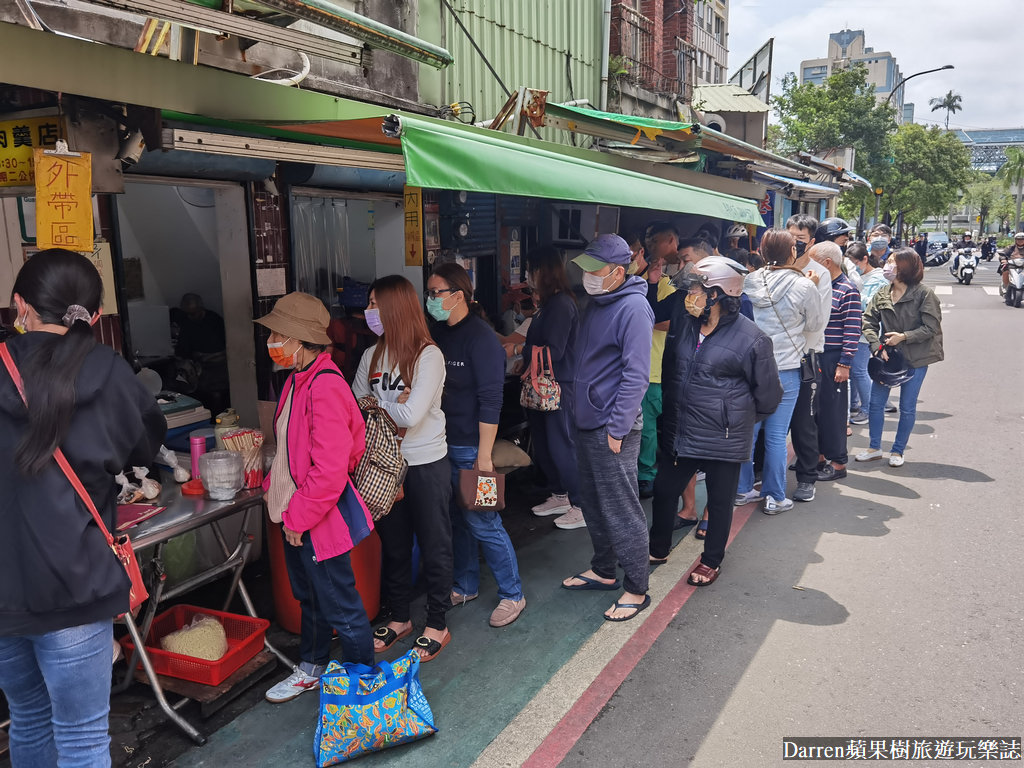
(575, 722)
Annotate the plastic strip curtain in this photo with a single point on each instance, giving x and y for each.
(320, 246)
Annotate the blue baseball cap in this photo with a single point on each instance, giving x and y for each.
(604, 249)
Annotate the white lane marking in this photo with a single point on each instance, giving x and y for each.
(943, 290)
(991, 290)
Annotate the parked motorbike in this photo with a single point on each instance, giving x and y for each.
(1015, 288)
(964, 265)
(937, 256)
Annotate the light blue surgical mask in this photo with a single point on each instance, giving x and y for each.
(436, 311)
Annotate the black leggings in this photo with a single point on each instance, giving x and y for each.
(721, 480)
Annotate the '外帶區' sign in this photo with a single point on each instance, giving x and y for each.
(18, 138)
(63, 200)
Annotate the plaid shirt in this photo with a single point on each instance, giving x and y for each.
(843, 329)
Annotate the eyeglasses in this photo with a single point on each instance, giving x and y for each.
(433, 294)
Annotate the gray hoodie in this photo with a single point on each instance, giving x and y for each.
(796, 310)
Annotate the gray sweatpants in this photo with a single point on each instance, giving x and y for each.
(611, 506)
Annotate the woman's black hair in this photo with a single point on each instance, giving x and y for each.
(52, 282)
(547, 268)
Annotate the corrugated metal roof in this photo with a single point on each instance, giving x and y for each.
(727, 98)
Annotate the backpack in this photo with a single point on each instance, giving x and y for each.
(381, 471)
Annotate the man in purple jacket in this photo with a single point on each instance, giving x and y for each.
(614, 359)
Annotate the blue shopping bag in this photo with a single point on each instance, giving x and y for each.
(366, 709)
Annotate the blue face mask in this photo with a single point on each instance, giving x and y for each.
(436, 311)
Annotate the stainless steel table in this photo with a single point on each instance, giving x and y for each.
(184, 514)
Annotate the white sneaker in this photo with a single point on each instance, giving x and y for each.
(571, 519)
(701, 477)
(870, 455)
(773, 507)
(296, 683)
(747, 498)
(557, 504)
(895, 460)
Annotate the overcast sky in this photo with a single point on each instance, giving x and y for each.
(983, 39)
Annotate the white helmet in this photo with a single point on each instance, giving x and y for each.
(737, 230)
(1019, 236)
(721, 272)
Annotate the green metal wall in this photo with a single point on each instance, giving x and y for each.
(526, 41)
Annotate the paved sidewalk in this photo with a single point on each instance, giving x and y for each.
(529, 674)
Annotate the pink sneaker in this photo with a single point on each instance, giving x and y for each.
(557, 504)
(571, 519)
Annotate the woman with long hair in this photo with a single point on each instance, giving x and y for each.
(554, 328)
(471, 403)
(321, 436)
(60, 584)
(404, 371)
(784, 301)
(904, 316)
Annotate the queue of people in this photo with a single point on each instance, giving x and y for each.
(766, 346)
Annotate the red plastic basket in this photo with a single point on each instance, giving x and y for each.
(245, 640)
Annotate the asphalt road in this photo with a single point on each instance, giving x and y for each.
(889, 606)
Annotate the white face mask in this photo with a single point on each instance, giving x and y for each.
(594, 284)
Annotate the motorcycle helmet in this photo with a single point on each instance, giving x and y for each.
(1019, 236)
(715, 272)
(893, 372)
(736, 230)
(831, 228)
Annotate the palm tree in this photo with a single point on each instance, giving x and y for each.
(951, 102)
(1012, 174)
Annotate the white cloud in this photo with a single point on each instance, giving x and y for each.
(980, 39)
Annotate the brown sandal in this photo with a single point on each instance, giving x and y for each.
(430, 648)
(705, 573)
(389, 637)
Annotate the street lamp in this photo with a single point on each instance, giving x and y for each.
(911, 77)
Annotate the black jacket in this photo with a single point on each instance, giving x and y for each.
(714, 395)
(56, 570)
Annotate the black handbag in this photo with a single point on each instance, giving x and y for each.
(809, 367)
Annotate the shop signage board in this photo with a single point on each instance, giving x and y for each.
(63, 182)
(413, 226)
(18, 139)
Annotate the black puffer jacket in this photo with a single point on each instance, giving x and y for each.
(56, 570)
(715, 394)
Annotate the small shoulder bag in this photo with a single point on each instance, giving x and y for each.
(121, 546)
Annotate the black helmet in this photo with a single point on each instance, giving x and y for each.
(831, 228)
(893, 372)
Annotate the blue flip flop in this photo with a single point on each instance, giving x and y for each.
(589, 583)
(639, 607)
(702, 530)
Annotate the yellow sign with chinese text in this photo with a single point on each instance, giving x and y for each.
(63, 200)
(413, 227)
(18, 138)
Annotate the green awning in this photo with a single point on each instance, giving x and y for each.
(448, 156)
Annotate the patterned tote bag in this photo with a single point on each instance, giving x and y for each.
(367, 709)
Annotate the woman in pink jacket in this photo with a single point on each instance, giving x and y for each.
(320, 438)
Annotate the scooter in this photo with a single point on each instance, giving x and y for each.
(1015, 288)
(963, 266)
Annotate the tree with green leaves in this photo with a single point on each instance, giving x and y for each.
(930, 168)
(841, 112)
(1012, 176)
(951, 102)
(983, 195)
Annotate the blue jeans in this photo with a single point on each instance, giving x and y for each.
(776, 427)
(860, 382)
(908, 411)
(471, 530)
(58, 689)
(326, 591)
